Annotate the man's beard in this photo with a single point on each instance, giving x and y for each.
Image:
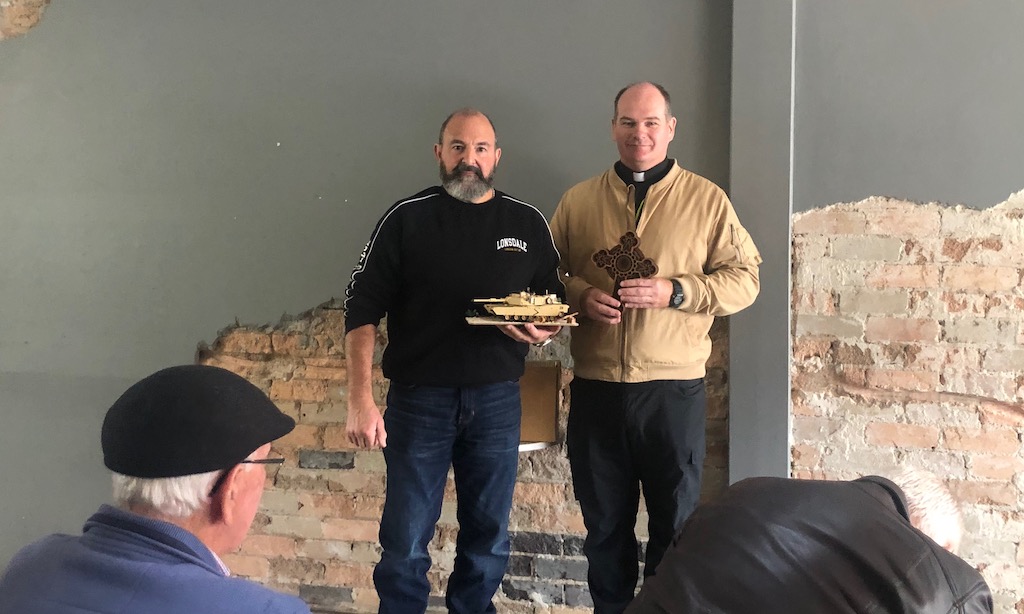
(467, 188)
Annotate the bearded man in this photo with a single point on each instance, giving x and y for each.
(453, 399)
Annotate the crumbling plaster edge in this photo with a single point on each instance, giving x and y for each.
(17, 17)
(1014, 201)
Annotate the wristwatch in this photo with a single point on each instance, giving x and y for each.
(677, 294)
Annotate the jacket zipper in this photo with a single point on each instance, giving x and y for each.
(631, 224)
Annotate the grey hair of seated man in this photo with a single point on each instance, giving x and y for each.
(177, 497)
(932, 508)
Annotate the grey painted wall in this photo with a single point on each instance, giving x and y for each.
(167, 167)
(917, 99)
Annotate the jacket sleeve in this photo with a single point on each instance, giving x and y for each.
(285, 604)
(547, 278)
(574, 284)
(729, 282)
(374, 283)
(977, 601)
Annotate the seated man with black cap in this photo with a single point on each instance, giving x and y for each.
(186, 446)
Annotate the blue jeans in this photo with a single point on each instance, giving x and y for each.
(476, 431)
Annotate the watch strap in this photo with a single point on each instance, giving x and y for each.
(677, 294)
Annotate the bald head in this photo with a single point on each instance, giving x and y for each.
(657, 86)
(464, 112)
(932, 508)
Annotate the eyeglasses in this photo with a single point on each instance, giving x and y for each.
(262, 461)
(249, 461)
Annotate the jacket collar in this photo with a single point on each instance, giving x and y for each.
(899, 500)
(113, 523)
(613, 177)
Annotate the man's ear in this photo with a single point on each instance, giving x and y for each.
(437, 151)
(951, 545)
(222, 506)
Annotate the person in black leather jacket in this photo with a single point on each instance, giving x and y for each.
(781, 545)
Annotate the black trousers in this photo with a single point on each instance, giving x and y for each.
(622, 437)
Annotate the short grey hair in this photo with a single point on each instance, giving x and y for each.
(177, 497)
(932, 508)
(661, 90)
(465, 112)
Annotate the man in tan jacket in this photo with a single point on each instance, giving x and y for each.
(650, 254)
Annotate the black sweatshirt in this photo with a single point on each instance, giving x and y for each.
(427, 259)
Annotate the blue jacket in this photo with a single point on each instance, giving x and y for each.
(124, 563)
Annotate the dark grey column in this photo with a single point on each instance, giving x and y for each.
(761, 177)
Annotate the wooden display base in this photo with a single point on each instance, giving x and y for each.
(498, 321)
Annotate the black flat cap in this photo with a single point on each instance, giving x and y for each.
(186, 420)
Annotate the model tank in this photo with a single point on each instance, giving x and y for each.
(525, 307)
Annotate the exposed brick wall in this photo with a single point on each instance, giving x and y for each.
(316, 533)
(908, 347)
(19, 16)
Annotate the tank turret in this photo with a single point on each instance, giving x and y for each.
(525, 307)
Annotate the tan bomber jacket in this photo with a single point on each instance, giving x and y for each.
(690, 230)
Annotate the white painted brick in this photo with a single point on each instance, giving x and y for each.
(833, 326)
(976, 330)
(813, 428)
(946, 463)
(1003, 359)
(865, 301)
(276, 501)
(370, 462)
(294, 526)
(875, 248)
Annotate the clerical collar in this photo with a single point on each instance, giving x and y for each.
(652, 175)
